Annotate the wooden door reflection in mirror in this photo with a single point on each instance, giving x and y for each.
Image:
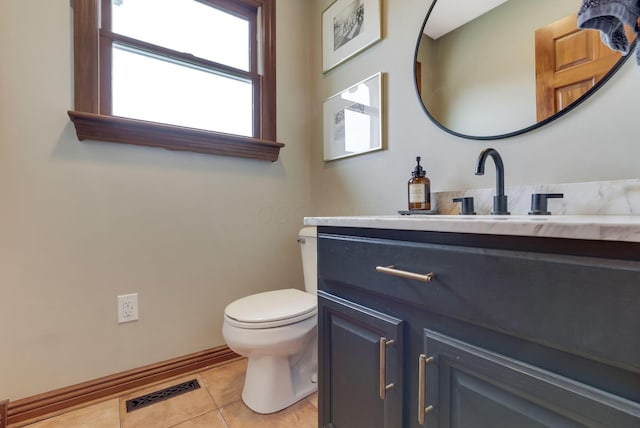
(569, 62)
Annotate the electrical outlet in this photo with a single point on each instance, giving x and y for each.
(127, 308)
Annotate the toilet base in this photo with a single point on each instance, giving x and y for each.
(273, 383)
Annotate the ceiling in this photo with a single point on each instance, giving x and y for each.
(453, 14)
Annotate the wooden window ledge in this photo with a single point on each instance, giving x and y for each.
(91, 126)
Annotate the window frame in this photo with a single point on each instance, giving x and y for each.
(92, 115)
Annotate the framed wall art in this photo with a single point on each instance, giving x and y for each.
(348, 27)
(353, 120)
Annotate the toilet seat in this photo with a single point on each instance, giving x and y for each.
(271, 309)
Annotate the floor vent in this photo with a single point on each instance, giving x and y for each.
(163, 394)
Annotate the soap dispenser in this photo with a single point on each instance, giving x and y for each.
(419, 191)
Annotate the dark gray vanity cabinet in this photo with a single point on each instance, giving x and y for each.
(494, 330)
(360, 365)
(473, 387)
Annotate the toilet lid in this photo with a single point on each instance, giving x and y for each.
(271, 306)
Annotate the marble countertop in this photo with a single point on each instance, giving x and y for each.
(592, 227)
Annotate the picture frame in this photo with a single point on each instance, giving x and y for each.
(353, 118)
(348, 28)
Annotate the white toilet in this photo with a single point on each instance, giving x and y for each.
(277, 332)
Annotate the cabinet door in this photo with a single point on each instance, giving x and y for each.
(360, 362)
(472, 387)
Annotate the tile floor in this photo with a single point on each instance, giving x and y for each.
(217, 404)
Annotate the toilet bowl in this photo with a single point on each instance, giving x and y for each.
(277, 332)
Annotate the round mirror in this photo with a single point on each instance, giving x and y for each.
(497, 68)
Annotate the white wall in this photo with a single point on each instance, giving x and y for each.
(81, 222)
(597, 141)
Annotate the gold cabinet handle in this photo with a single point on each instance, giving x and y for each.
(423, 360)
(383, 367)
(391, 270)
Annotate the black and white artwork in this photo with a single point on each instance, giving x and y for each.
(348, 23)
(348, 27)
(338, 129)
(353, 120)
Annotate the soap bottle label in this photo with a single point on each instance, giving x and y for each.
(417, 193)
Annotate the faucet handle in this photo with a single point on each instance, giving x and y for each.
(466, 206)
(539, 202)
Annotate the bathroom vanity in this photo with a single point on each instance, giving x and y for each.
(481, 321)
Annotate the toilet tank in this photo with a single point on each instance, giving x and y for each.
(308, 239)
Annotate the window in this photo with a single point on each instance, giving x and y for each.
(194, 75)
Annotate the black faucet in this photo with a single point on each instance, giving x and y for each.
(500, 199)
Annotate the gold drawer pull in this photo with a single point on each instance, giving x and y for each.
(391, 270)
(383, 366)
(423, 360)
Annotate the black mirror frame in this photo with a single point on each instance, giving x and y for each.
(536, 125)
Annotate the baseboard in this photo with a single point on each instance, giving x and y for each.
(35, 407)
(4, 407)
